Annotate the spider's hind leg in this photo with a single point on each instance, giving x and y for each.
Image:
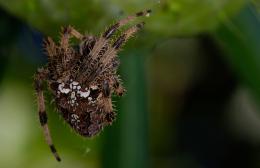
(38, 82)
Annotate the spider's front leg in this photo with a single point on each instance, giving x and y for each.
(112, 29)
(40, 77)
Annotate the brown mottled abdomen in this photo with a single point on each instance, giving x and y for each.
(86, 110)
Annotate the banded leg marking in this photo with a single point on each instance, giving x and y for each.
(112, 29)
(102, 41)
(111, 52)
(42, 113)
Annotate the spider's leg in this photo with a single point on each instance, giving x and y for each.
(105, 103)
(126, 35)
(50, 48)
(111, 52)
(67, 33)
(103, 40)
(112, 29)
(102, 47)
(52, 51)
(66, 51)
(38, 81)
(118, 88)
(107, 58)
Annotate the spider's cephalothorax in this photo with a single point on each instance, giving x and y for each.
(83, 77)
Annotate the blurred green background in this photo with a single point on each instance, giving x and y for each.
(192, 75)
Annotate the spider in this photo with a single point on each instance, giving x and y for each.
(82, 78)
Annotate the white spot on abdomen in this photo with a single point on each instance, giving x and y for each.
(84, 94)
(75, 83)
(65, 90)
(75, 90)
(61, 89)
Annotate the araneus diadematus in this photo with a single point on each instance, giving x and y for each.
(82, 78)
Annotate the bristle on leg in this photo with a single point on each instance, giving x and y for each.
(38, 83)
(127, 34)
(112, 29)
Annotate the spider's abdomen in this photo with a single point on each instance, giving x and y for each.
(85, 109)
